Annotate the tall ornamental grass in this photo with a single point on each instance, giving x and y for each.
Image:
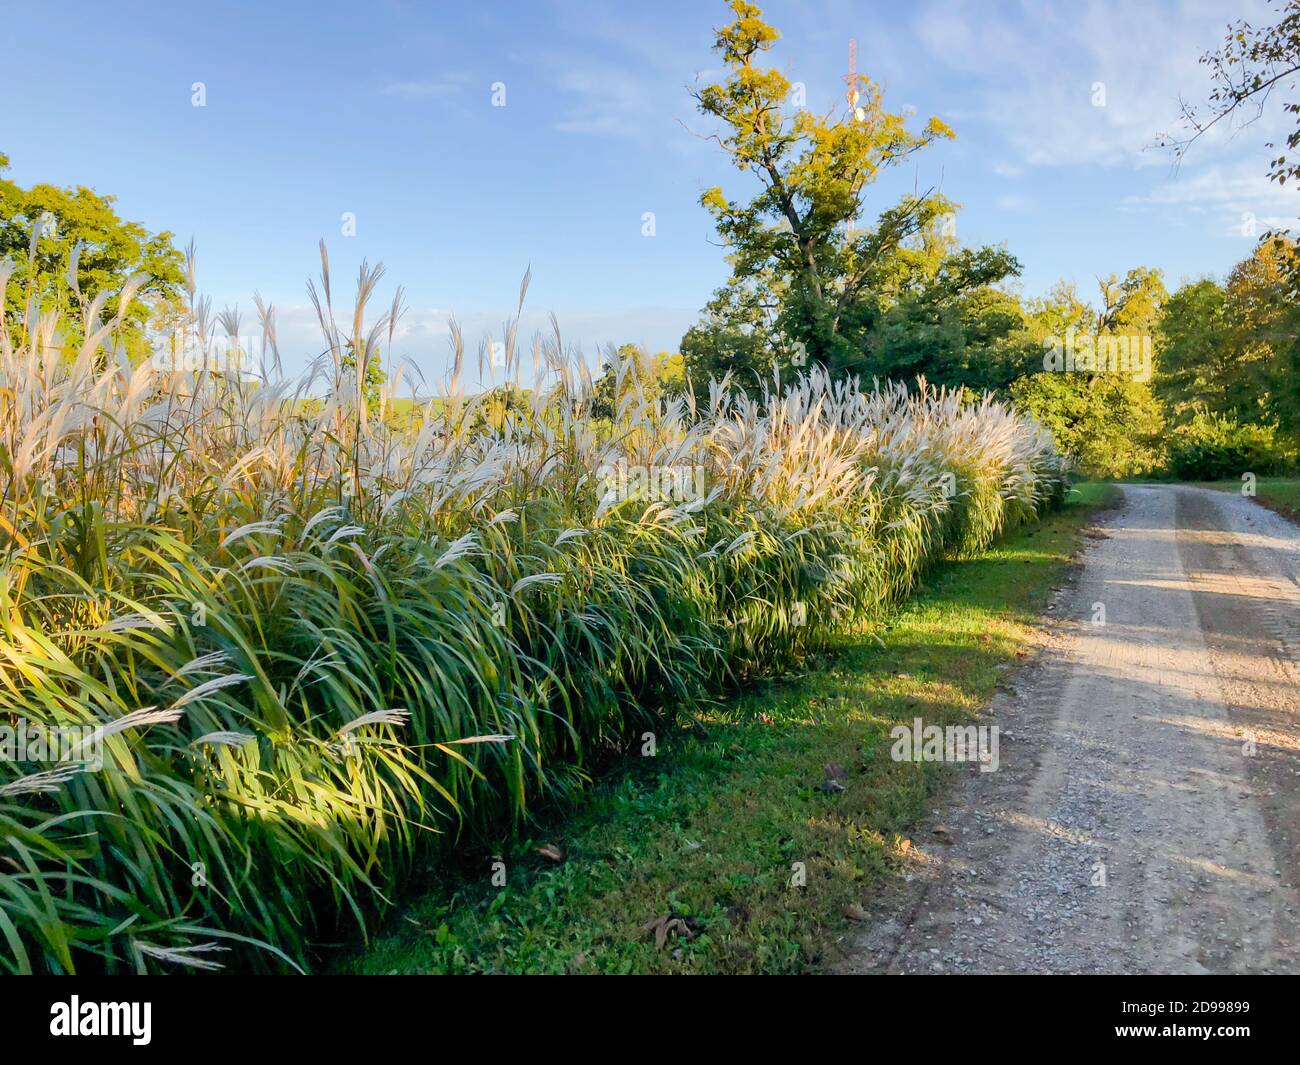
(318, 635)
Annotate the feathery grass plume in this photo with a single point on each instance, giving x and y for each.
(464, 563)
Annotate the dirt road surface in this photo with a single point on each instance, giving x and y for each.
(1145, 817)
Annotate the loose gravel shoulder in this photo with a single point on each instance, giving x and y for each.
(1146, 812)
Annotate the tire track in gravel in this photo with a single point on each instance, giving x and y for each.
(1146, 813)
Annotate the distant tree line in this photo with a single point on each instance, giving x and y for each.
(900, 297)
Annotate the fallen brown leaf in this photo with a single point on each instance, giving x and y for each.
(670, 924)
(554, 852)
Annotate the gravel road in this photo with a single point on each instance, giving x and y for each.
(1145, 817)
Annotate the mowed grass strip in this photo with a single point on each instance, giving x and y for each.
(1281, 494)
(708, 831)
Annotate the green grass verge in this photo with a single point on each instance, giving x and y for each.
(1277, 493)
(709, 828)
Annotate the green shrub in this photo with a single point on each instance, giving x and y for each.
(1213, 448)
(1109, 425)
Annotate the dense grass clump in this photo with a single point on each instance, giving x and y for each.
(314, 640)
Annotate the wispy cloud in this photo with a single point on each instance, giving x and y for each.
(1237, 198)
(424, 90)
(1089, 83)
(1014, 202)
(630, 81)
(606, 100)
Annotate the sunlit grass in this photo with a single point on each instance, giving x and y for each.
(708, 828)
(1278, 493)
(370, 631)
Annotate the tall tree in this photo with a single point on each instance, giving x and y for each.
(1110, 422)
(109, 252)
(1198, 367)
(1265, 331)
(1233, 350)
(1132, 306)
(947, 322)
(799, 230)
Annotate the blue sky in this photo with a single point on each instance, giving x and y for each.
(384, 110)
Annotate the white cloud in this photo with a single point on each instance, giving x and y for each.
(630, 79)
(1014, 203)
(1230, 186)
(452, 85)
(609, 101)
(1233, 199)
(1095, 82)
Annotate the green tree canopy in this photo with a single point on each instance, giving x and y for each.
(1198, 370)
(795, 239)
(633, 372)
(949, 323)
(810, 282)
(1111, 423)
(108, 251)
(1232, 350)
